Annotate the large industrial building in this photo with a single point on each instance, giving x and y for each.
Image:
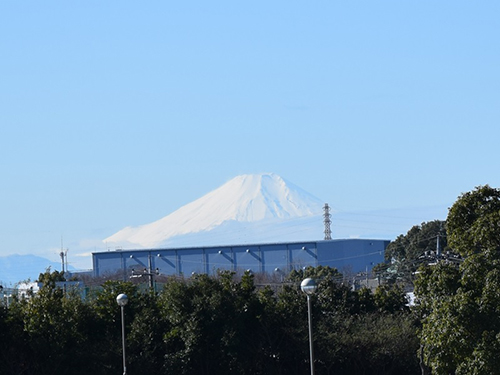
(355, 255)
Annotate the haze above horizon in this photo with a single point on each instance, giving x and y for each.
(116, 114)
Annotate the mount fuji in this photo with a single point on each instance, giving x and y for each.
(249, 208)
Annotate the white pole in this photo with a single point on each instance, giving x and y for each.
(123, 342)
(311, 347)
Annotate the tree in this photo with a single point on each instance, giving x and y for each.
(213, 325)
(206, 324)
(357, 332)
(407, 252)
(51, 278)
(146, 348)
(461, 306)
(105, 328)
(473, 222)
(48, 332)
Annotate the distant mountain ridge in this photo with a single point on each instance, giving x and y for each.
(244, 204)
(15, 268)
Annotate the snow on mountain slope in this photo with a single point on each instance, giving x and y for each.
(246, 201)
(308, 228)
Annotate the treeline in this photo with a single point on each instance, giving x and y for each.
(211, 325)
(225, 324)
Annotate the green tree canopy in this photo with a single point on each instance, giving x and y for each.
(222, 324)
(407, 252)
(473, 222)
(461, 306)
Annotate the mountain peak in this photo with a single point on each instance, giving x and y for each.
(245, 198)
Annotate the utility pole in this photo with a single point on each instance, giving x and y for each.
(61, 254)
(147, 272)
(64, 257)
(150, 266)
(438, 245)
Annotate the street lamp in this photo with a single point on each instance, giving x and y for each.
(309, 287)
(122, 300)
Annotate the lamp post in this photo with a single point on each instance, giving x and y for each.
(309, 287)
(122, 300)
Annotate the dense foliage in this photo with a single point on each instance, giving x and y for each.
(226, 324)
(210, 325)
(460, 305)
(420, 245)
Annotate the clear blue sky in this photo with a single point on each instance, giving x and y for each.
(116, 113)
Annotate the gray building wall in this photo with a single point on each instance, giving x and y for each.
(356, 255)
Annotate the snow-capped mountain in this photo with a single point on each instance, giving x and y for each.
(248, 208)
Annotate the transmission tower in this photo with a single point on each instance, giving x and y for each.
(327, 221)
